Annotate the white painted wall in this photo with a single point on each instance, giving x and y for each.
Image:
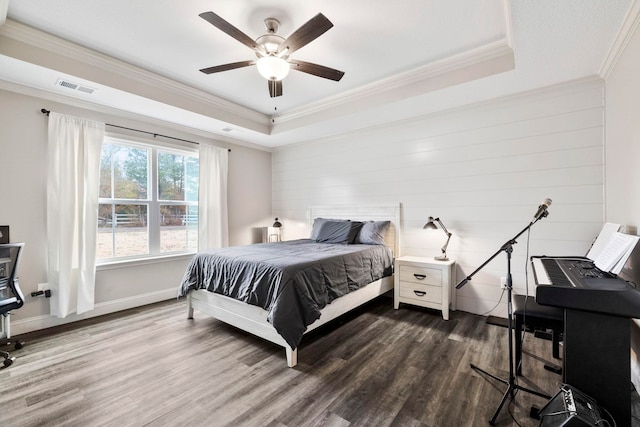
(623, 154)
(483, 170)
(23, 133)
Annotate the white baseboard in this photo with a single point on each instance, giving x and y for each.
(36, 323)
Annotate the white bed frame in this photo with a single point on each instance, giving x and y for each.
(253, 319)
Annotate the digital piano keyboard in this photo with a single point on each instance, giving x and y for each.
(575, 283)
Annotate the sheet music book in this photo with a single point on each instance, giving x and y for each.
(601, 241)
(615, 252)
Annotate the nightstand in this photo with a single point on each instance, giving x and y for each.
(426, 282)
(270, 234)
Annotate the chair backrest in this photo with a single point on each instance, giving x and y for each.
(10, 291)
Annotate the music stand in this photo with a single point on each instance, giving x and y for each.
(511, 382)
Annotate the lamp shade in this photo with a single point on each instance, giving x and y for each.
(273, 68)
(433, 223)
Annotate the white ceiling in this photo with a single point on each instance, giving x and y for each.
(401, 59)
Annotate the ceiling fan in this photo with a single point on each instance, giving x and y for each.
(273, 51)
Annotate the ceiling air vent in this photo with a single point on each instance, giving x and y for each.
(75, 86)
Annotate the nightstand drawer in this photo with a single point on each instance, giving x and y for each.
(422, 275)
(427, 293)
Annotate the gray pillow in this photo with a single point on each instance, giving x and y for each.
(317, 224)
(372, 232)
(338, 231)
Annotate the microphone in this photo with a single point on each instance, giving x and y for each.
(542, 209)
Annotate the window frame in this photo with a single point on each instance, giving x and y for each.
(152, 202)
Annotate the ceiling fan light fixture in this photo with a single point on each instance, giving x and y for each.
(273, 68)
(273, 50)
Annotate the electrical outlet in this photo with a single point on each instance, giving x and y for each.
(503, 283)
(43, 289)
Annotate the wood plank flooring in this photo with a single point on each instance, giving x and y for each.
(377, 366)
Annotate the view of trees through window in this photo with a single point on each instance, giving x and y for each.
(148, 201)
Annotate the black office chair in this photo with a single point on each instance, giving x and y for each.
(11, 297)
(530, 315)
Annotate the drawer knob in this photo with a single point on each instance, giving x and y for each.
(420, 293)
(420, 276)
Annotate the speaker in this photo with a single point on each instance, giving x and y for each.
(572, 408)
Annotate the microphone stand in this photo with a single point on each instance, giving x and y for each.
(512, 386)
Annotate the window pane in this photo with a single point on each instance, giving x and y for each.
(192, 180)
(105, 170)
(178, 228)
(177, 177)
(105, 231)
(171, 174)
(122, 230)
(130, 172)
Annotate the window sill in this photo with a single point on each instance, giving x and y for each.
(110, 265)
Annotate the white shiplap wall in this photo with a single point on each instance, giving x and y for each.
(482, 169)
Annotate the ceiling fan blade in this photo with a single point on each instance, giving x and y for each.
(226, 27)
(310, 31)
(226, 67)
(275, 88)
(317, 70)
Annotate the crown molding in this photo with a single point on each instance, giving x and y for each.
(39, 39)
(628, 28)
(418, 76)
(4, 8)
(508, 23)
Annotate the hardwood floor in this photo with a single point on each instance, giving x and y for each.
(375, 367)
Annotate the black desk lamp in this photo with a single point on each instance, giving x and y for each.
(431, 224)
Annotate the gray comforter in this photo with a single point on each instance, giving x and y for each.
(292, 280)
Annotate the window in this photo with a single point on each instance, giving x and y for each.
(148, 201)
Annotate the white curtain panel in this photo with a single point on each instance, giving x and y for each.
(74, 149)
(213, 223)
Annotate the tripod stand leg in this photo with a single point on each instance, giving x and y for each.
(482, 371)
(508, 393)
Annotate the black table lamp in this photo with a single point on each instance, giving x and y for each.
(431, 224)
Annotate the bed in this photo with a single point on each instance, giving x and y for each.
(254, 288)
